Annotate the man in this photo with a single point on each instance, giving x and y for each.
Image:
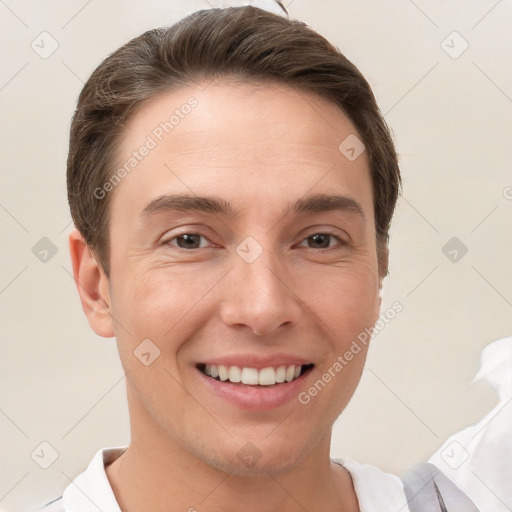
(232, 184)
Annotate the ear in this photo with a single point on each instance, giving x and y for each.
(380, 293)
(383, 262)
(92, 285)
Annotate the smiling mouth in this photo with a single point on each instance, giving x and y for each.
(269, 376)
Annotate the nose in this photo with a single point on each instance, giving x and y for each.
(258, 296)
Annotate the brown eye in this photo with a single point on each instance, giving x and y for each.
(320, 240)
(187, 241)
(323, 241)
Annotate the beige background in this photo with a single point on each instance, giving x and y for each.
(452, 119)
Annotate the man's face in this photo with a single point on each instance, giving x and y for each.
(271, 278)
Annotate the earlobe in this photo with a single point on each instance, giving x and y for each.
(383, 259)
(380, 293)
(92, 285)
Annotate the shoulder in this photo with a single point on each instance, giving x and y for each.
(427, 488)
(375, 489)
(89, 491)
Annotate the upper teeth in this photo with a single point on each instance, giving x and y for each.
(252, 376)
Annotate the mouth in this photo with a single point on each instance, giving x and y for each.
(271, 376)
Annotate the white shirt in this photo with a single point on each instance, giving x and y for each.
(91, 491)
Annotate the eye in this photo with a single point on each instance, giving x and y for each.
(187, 241)
(322, 240)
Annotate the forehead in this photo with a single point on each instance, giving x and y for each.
(229, 132)
(240, 111)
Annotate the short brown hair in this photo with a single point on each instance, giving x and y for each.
(247, 43)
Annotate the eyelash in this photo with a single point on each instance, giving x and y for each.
(340, 241)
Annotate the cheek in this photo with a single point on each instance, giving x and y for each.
(345, 299)
(346, 307)
(160, 304)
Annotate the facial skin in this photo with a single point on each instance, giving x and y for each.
(260, 148)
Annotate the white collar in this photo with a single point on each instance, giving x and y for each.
(91, 490)
(376, 490)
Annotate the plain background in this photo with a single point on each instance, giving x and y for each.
(452, 120)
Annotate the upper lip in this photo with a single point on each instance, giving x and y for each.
(258, 362)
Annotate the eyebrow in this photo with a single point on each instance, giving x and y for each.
(191, 203)
(311, 204)
(325, 202)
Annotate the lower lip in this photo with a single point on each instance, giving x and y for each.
(256, 397)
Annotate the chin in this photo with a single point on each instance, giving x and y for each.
(246, 460)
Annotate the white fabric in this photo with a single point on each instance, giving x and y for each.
(376, 491)
(478, 459)
(91, 490)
